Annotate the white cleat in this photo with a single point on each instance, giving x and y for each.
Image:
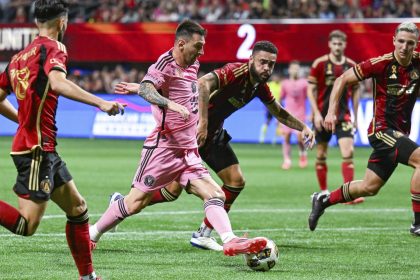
(206, 243)
(114, 197)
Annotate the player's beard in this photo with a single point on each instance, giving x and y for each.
(256, 76)
(61, 34)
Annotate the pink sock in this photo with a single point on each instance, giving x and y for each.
(286, 150)
(114, 215)
(217, 216)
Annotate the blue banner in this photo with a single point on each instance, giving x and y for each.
(78, 120)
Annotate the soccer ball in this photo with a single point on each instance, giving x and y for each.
(265, 260)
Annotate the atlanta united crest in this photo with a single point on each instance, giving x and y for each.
(414, 75)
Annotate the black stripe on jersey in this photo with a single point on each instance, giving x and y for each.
(143, 164)
(59, 69)
(162, 127)
(163, 62)
(357, 73)
(42, 78)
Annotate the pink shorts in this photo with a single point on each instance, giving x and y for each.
(160, 166)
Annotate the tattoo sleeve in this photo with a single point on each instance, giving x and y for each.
(285, 117)
(151, 95)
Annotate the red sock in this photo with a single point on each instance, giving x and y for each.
(321, 174)
(342, 194)
(77, 234)
(231, 195)
(347, 170)
(11, 219)
(415, 202)
(162, 195)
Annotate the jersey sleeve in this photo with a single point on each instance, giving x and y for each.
(314, 73)
(56, 58)
(265, 94)
(368, 68)
(225, 75)
(154, 76)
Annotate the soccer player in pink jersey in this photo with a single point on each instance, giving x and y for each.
(324, 71)
(170, 152)
(396, 77)
(37, 76)
(224, 91)
(293, 94)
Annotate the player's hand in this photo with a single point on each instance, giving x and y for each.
(112, 107)
(308, 138)
(318, 121)
(330, 122)
(126, 88)
(201, 134)
(185, 114)
(355, 127)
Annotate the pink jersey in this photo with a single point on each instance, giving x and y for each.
(179, 85)
(293, 94)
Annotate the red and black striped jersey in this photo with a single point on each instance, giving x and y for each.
(395, 90)
(323, 74)
(27, 76)
(234, 92)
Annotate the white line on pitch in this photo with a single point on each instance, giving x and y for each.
(181, 233)
(271, 210)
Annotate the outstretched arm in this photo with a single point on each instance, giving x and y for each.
(148, 91)
(66, 88)
(206, 85)
(348, 78)
(317, 117)
(6, 108)
(288, 119)
(355, 101)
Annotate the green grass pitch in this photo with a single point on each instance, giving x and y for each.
(367, 241)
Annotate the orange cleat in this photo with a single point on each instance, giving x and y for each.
(244, 246)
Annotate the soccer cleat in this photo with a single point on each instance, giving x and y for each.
(303, 161)
(356, 201)
(286, 164)
(415, 230)
(114, 197)
(244, 246)
(92, 278)
(206, 243)
(93, 245)
(318, 208)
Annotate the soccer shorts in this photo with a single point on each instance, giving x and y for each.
(160, 166)
(217, 152)
(39, 174)
(342, 130)
(390, 147)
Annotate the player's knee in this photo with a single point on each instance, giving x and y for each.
(370, 190)
(236, 182)
(78, 208)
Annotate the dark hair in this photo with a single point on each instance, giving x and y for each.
(337, 34)
(187, 28)
(46, 10)
(266, 46)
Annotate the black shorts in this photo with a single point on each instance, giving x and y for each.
(342, 130)
(39, 173)
(217, 152)
(390, 147)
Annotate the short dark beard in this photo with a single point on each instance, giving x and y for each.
(255, 76)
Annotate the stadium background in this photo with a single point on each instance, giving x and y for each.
(104, 53)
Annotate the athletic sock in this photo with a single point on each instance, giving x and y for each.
(342, 194)
(77, 235)
(162, 195)
(231, 194)
(217, 216)
(347, 171)
(11, 219)
(415, 202)
(321, 174)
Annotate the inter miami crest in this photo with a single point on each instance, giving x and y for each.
(193, 87)
(149, 180)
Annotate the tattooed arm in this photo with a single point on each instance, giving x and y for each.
(150, 94)
(288, 119)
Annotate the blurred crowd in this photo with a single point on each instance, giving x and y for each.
(129, 11)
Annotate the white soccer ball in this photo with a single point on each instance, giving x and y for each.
(265, 260)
